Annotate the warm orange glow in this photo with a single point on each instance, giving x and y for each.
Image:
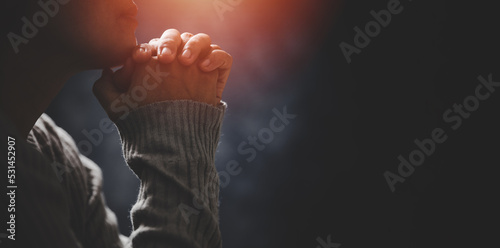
(264, 36)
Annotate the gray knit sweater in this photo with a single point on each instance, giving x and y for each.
(169, 145)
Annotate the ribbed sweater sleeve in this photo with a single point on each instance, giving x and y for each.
(171, 147)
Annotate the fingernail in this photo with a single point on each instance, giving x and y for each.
(186, 54)
(166, 51)
(205, 63)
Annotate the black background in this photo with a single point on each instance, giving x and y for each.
(323, 175)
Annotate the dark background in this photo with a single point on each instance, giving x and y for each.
(323, 174)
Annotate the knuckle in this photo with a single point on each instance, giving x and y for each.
(175, 31)
(171, 31)
(217, 47)
(203, 36)
(187, 34)
(154, 40)
(146, 47)
(194, 43)
(168, 42)
(224, 55)
(139, 46)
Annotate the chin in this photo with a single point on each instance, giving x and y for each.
(114, 55)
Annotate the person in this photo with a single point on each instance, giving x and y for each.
(166, 102)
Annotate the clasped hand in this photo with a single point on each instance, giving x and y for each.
(173, 67)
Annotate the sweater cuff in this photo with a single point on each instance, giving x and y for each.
(181, 129)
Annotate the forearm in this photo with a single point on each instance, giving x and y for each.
(171, 148)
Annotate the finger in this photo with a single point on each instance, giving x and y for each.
(122, 77)
(149, 76)
(142, 53)
(221, 84)
(153, 42)
(104, 89)
(222, 61)
(217, 59)
(186, 36)
(168, 45)
(224, 71)
(170, 33)
(154, 46)
(197, 46)
(214, 47)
